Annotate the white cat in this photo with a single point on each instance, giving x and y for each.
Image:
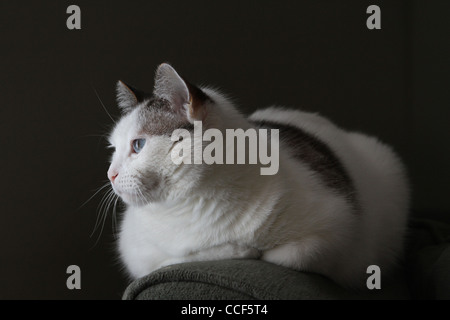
(338, 203)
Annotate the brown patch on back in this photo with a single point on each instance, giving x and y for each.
(319, 157)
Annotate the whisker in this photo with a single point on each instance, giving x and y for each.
(137, 195)
(142, 196)
(101, 102)
(114, 218)
(100, 209)
(100, 189)
(104, 214)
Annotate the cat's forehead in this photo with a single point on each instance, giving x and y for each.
(157, 118)
(123, 128)
(151, 117)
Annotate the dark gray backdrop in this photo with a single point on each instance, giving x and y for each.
(315, 55)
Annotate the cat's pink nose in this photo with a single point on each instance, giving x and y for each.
(112, 175)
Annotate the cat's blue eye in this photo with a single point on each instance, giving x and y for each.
(138, 144)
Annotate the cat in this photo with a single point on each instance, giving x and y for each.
(338, 203)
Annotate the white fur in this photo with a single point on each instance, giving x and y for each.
(201, 212)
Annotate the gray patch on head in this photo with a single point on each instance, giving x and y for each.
(157, 118)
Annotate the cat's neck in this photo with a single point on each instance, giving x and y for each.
(225, 192)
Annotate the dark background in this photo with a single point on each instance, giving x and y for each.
(314, 55)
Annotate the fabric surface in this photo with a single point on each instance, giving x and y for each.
(425, 275)
(428, 260)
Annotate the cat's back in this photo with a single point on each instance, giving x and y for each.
(364, 171)
(357, 160)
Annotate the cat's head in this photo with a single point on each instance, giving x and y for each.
(142, 170)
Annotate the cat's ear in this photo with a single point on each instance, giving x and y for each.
(184, 97)
(128, 97)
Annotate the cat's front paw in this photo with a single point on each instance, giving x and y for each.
(245, 252)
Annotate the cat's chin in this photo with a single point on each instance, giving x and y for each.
(136, 204)
(133, 199)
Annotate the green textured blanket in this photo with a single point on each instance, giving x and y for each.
(425, 275)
